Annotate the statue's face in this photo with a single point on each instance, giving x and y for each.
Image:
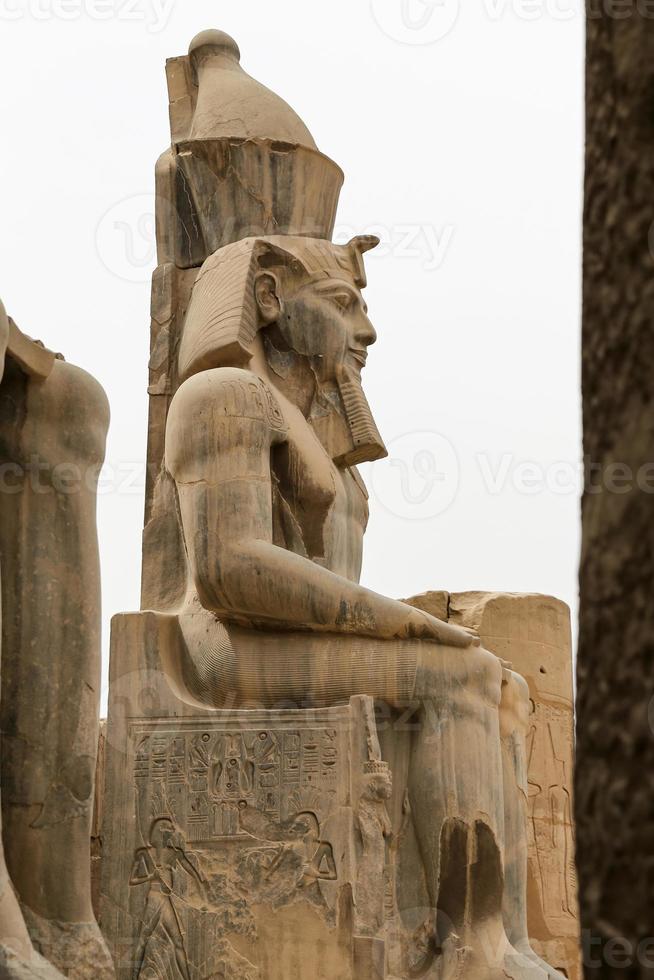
(306, 826)
(381, 786)
(163, 834)
(319, 319)
(327, 321)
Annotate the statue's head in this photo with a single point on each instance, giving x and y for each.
(163, 833)
(301, 300)
(306, 825)
(378, 784)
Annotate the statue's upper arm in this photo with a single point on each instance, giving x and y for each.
(221, 425)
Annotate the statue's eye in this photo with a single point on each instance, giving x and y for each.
(343, 300)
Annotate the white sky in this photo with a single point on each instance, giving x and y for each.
(460, 133)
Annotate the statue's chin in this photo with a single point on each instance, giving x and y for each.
(348, 432)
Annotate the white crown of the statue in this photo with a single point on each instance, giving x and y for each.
(231, 103)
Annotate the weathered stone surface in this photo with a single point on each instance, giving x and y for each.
(18, 959)
(264, 673)
(33, 967)
(615, 745)
(98, 821)
(532, 634)
(435, 603)
(52, 436)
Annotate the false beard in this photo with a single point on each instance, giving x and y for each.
(347, 430)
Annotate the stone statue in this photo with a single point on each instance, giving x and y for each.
(18, 958)
(245, 693)
(263, 457)
(52, 437)
(273, 514)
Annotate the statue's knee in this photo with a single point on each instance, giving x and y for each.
(515, 704)
(444, 674)
(486, 669)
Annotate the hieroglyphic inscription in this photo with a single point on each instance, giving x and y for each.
(203, 779)
(221, 812)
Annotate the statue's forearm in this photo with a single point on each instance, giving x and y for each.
(242, 577)
(256, 583)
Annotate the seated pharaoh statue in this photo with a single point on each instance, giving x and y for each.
(262, 442)
(247, 764)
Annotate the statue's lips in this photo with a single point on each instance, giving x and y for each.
(361, 356)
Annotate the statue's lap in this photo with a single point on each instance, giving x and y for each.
(268, 669)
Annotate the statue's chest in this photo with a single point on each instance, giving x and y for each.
(319, 511)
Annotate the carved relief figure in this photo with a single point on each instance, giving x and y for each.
(298, 852)
(550, 812)
(319, 863)
(375, 831)
(157, 866)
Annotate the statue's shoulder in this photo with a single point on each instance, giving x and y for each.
(64, 415)
(75, 388)
(79, 405)
(214, 398)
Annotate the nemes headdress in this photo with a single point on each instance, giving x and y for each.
(222, 319)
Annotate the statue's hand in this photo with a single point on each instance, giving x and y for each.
(422, 626)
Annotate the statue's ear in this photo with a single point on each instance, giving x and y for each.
(266, 293)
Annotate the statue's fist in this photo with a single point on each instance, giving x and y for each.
(423, 626)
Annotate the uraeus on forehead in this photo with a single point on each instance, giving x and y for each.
(322, 259)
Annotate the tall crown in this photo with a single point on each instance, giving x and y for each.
(230, 103)
(242, 163)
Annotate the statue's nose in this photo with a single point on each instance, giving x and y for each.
(365, 334)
